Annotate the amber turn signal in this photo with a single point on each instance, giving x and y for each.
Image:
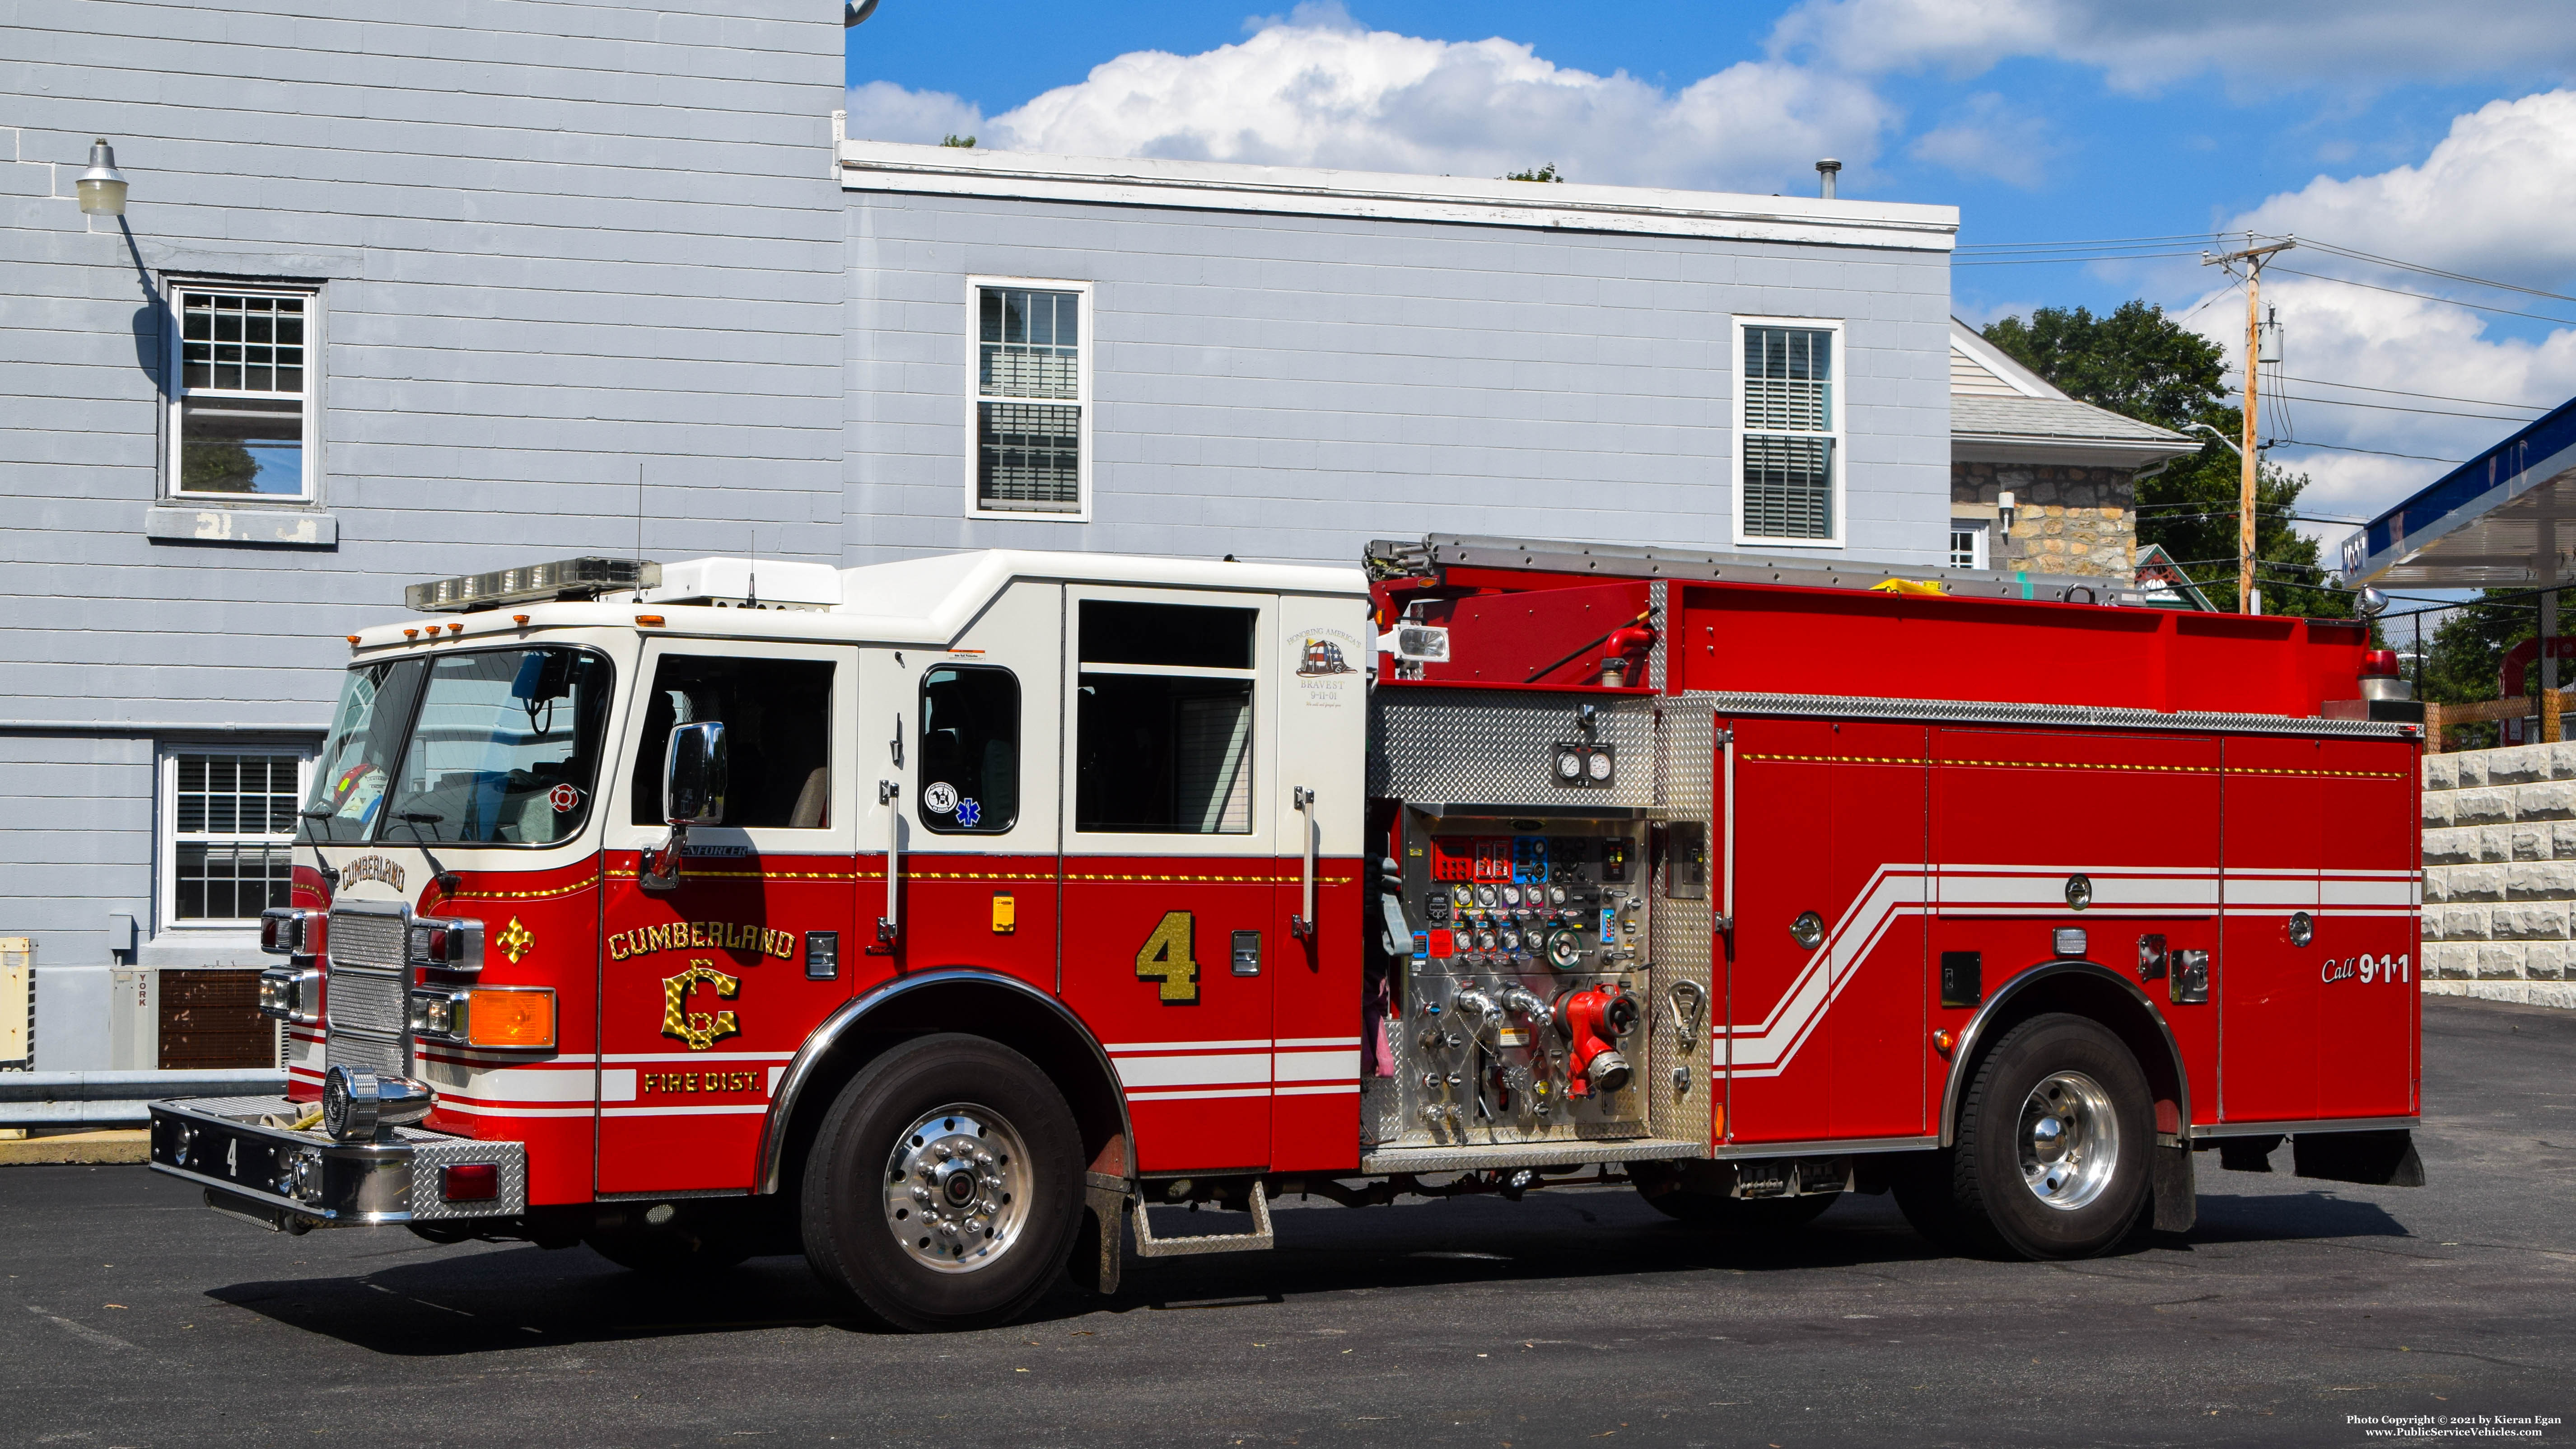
(1943, 1042)
(648, 621)
(503, 1018)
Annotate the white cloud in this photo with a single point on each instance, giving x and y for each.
(884, 111)
(2494, 198)
(1316, 90)
(1986, 137)
(2141, 46)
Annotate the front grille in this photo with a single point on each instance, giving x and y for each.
(364, 999)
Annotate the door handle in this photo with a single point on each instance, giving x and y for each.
(890, 795)
(1302, 924)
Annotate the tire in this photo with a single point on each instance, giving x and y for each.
(945, 1186)
(1751, 1216)
(2055, 1140)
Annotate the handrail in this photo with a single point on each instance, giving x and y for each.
(1302, 924)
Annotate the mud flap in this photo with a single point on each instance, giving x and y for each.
(2177, 1195)
(2375, 1159)
(1099, 1248)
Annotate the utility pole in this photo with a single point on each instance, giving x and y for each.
(2253, 258)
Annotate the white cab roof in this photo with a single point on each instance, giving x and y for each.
(923, 601)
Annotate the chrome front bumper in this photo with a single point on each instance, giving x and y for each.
(246, 1154)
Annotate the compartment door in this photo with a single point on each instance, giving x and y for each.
(2268, 990)
(1823, 1034)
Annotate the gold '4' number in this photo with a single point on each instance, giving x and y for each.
(1166, 957)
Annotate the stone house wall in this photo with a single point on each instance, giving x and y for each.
(2065, 520)
(2500, 874)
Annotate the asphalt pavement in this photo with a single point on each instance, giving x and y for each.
(2296, 1313)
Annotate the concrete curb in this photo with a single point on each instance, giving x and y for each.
(91, 1147)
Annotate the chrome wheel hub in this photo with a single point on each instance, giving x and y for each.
(957, 1188)
(2069, 1141)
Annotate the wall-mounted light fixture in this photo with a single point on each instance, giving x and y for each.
(2004, 508)
(102, 187)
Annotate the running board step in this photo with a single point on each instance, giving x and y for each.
(1149, 1246)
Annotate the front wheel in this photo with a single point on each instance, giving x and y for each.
(2054, 1140)
(945, 1185)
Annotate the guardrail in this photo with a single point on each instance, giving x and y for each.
(119, 1099)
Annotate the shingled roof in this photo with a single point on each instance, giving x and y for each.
(2002, 412)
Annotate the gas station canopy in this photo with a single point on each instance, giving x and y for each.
(2505, 517)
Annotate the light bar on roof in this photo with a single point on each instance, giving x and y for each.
(571, 578)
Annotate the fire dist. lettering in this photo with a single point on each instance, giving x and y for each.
(658, 1082)
(702, 936)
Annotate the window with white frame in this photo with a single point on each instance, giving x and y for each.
(228, 822)
(1032, 398)
(1967, 543)
(241, 423)
(1789, 434)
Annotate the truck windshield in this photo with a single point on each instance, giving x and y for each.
(494, 747)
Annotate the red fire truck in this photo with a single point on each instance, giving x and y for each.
(934, 918)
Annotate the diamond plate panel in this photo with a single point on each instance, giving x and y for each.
(1494, 747)
(432, 1155)
(1678, 935)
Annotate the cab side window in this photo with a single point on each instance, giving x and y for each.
(1165, 719)
(777, 715)
(970, 749)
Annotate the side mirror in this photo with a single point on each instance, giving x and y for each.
(693, 775)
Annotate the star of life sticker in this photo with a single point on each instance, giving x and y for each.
(940, 798)
(969, 813)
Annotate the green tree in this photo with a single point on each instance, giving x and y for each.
(218, 466)
(2464, 660)
(963, 143)
(1547, 172)
(2141, 363)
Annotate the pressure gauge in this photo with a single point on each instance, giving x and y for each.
(1556, 895)
(1484, 940)
(1569, 764)
(1485, 896)
(1511, 895)
(1597, 765)
(1462, 894)
(1508, 939)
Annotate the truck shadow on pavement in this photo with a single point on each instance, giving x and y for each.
(435, 1302)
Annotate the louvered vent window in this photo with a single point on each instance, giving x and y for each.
(1031, 390)
(1790, 435)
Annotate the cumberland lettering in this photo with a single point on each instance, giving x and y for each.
(702, 936)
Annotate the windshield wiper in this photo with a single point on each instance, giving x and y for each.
(447, 880)
(330, 877)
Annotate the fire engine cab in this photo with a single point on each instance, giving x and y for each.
(934, 918)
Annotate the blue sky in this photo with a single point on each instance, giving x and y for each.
(2437, 134)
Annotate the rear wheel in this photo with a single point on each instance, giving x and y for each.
(945, 1185)
(2054, 1139)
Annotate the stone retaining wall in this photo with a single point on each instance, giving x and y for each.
(2500, 874)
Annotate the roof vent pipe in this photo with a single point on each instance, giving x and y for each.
(1825, 170)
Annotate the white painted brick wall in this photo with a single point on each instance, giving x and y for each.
(2500, 874)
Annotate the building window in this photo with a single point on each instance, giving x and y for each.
(1967, 543)
(230, 829)
(1032, 399)
(1789, 435)
(240, 423)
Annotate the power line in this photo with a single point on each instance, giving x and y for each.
(2374, 452)
(2428, 297)
(2117, 241)
(2402, 392)
(2079, 257)
(2438, 272)
(2337, 402)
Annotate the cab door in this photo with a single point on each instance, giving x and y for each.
(979, 725)
(708, 988)
(1173, 810)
